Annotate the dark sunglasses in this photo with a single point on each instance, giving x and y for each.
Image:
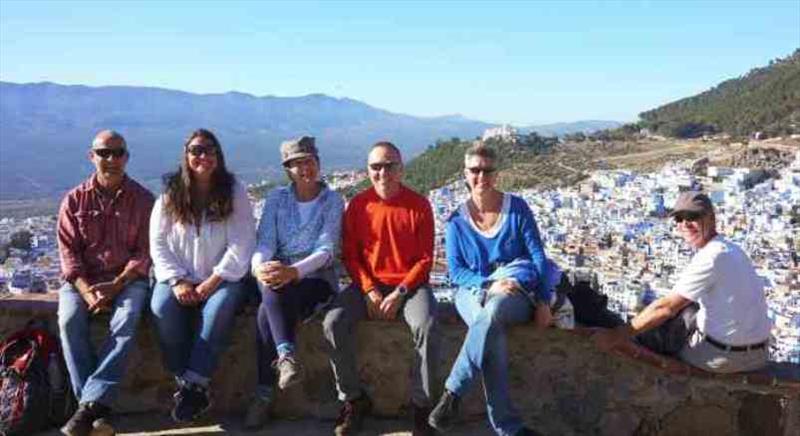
(388, 166)
(105, 153)
(487, 171)
(687, 216)
(199, 150)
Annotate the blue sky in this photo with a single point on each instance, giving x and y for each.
(519, 62)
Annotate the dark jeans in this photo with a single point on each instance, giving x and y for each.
(669, 338)
(278, 315)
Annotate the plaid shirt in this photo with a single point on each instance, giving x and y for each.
(100, 235)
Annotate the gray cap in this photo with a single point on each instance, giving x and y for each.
(692, 201)
(303, 146)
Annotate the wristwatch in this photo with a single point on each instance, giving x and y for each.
(174, 281)
(402, 290)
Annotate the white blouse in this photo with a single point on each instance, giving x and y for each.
(222, 247)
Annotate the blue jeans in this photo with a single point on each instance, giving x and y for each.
(485, 353)
(195, 353)
(96, 377)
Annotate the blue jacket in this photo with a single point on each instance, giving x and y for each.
(473, 257)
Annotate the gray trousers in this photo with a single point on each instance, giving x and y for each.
(419, 313)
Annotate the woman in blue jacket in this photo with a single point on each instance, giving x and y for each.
(496, 259)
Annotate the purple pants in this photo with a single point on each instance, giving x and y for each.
(278, 315)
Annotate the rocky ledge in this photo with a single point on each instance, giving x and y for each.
(562, 384)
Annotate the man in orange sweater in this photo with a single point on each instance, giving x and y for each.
(388, 252)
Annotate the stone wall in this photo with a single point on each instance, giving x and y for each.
(561, 383)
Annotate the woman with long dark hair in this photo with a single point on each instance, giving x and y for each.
(202, 234)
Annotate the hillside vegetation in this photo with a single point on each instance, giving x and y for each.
(765, 99)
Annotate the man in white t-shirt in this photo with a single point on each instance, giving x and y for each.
(717, 309)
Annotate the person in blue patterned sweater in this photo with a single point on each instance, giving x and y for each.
(297, 239)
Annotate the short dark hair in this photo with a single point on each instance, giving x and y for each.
(389, 145)
(481, 150)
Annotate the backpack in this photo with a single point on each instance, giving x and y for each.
(35, 392)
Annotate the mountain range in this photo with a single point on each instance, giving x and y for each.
(46, 128)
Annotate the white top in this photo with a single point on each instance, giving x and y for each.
(501, 219)
(224, 248)
(733, 307)
(305, 208)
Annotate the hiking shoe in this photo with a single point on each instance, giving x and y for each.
(257, 413)
(420, 417)
(289, 371)
(351, 416)
(191, 401)
(445, 413)
(80, 424)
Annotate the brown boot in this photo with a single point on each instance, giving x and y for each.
(351, 416)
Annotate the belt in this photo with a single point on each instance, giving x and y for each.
(727, 347)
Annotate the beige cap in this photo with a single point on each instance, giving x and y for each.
(303, 146)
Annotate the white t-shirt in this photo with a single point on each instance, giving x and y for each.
(733, 307)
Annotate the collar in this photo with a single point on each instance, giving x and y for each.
(94, 185)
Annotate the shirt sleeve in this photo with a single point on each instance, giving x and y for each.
(241, 230)
(311, 263)
(697, 278)
(166, 264)
(70, 243)
(140, 257)
(459, 270)
(351, 247)
(421, 270)
(266, 235)
(533, 243)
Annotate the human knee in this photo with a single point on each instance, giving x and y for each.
(335, 322)
(424, 327)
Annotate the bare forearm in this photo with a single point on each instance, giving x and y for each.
(652, 316)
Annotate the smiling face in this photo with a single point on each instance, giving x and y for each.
(481, 174)
(201, 157)
(695, 228)
(385, 169)
(109, 155)
(304, 171)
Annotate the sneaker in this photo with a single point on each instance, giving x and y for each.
(444, 414)
(257, 413)
(289, 371)
(191, 401)
(420, 417)
(80, 424)
(351, 416)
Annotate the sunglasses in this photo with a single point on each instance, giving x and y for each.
(487, 171)
(199, 150)
(688, 216)
(105, 153)
(388, 166)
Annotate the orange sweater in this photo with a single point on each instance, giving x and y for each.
(388, 242)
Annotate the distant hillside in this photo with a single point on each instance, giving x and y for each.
(560, 129)
(444, 162)
(45, 129)
(765, 99)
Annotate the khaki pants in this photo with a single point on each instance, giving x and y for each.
(698, 352)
